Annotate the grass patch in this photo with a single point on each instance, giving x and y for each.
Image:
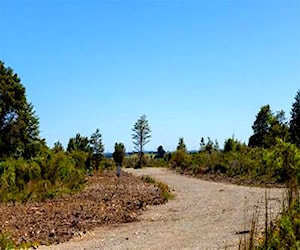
(6, 241)
(164, 188)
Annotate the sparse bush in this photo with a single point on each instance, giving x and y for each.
(148, 179)
(107, 164)
(164, 188)
(157, 163)
(130, 161)
(6, 241)
(286, 231)
(284, 162)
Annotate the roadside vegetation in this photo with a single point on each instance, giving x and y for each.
(272, 157)
(164, 188)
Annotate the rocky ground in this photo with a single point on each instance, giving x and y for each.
(105, 200)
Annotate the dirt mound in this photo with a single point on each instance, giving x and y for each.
(106, 200)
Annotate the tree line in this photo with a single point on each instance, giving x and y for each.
(20, 135)
(20, 138)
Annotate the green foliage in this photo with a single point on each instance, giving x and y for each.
(261, 126)
(210, 146)
(148, 179)
(44, 177)
(107, 164)
(268, 127)
(19, 125)
(157, 163)
(6, 241)
(180, 160)
(257, 165)
(164, 188)
(284, 233)
(78, 143)
(285, 159)
(181, 145)
(160, 153)
(231, 144)
(295, 120)
(119, 154)
(79, 157)
(141, 135)
(142, 160)
(58, 147)
(97, 148)
(130, 161)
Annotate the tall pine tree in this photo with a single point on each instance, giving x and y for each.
(261, 126)
(141, 135)
(19, 125)
(295, 120)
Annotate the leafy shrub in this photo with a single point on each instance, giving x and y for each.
(180, 160)
(7, 175)
(254, 164)
(79, 158)
(41, 178)
(164, 188)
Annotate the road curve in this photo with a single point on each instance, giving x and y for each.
(204, 215)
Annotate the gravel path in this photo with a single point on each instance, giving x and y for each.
(204, 215)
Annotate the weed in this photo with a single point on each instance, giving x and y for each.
(6, 241)
(164, 188)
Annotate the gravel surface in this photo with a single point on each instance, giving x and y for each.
(203, 215)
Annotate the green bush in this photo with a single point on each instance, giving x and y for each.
(164, 188)
(6, 241)
(7, 175)
(254, 164)
(180, 160)
(79, 158)
(41, 178)
(285, 232)
(148, 179)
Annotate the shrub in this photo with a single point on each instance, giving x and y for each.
(6, 241)
(180, 159)
(41, 178)
(164, 188)
(7, 175)
(157, 163)
(130, 161)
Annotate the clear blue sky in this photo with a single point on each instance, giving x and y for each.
(194, 68)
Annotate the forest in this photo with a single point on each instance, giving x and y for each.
(32, 171)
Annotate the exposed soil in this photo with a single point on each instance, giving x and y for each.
(106, 200)
(203, 215)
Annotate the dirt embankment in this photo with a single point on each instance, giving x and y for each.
(106, 200)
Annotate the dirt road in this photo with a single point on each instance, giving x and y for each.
(204, 215)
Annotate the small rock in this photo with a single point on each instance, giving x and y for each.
(52, 233)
